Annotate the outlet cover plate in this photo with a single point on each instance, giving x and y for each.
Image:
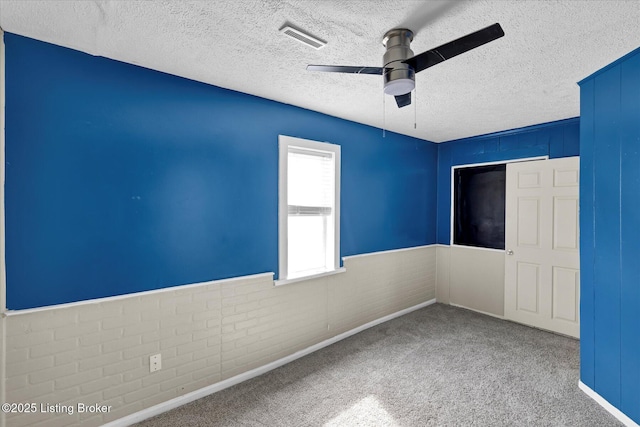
(155, 363)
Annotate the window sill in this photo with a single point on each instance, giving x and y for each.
(310, 277)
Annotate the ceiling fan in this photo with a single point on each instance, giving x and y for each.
(400, 65)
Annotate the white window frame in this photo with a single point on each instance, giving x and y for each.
(284, 143)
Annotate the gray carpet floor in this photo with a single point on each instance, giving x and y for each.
(437, 366)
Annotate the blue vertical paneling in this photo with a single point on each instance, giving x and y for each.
(556, 139)
(570, 141)
(491, 145)
(527, 140)
(556, 143)
(607, 235)
(444, 193)
(586, 234)
(610, 233)
(509, 142)
(543, 138)
(630, 238)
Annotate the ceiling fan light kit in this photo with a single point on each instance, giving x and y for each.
(399, 85)
(400, 64)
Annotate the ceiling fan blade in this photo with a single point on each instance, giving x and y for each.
(428, 12)
(403, 100)
(346, 69)
(454, 48)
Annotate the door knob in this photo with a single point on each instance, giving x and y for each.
(509, 252)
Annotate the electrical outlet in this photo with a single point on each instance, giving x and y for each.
(155, 362)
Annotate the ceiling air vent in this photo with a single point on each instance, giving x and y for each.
(303, 37)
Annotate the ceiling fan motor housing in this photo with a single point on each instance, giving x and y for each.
(400, 79)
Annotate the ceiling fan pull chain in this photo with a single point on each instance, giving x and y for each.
(415, 107)
(384, 115)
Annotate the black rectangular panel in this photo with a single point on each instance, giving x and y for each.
(479, 206)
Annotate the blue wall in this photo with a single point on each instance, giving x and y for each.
(610, 233)
(555, 139)
(122, 179)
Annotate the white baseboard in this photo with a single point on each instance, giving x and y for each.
(203, 392)
(486, 313)
(608, 406)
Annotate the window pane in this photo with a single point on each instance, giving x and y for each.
(307, 244)
(310, 179)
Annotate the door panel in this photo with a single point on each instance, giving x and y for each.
(565, 293)
(542, 238)
(528, 284)
(529, 179)
(529, 222)
(565, 219)
(565, 178)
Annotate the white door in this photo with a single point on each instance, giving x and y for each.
(542, 265)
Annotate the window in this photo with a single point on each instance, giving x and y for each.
(478, 206)
(309, 208)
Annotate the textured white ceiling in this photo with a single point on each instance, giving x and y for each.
(527, 77)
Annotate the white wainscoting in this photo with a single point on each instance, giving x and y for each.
(210, 333)
(472, 278)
